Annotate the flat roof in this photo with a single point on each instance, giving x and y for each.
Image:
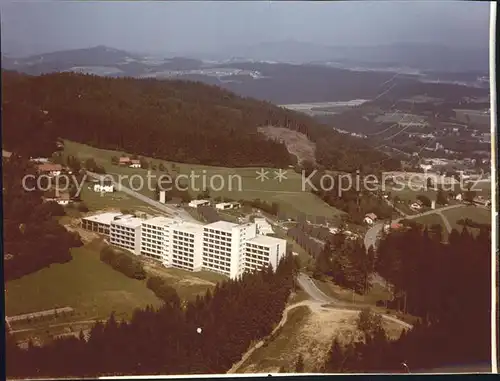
(103, 218)
(265, 240)
(222, 225)
(130, 222)
(199, 201)
(161, 221)
(189, 227)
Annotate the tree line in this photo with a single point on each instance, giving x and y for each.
(343, 193)
(33, 239)
(448, 286)
(123, 263)
(207, 335)
(172, 120)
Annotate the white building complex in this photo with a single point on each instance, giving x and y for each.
(125, 231)
(223, 247)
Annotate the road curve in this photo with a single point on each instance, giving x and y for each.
(308, 285)
(372, 234)
(318, 298)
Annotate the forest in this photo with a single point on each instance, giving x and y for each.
(448, 286)
(350, 194)
(33, 239)
(174, 120)
(167, 340)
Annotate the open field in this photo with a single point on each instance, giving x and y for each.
(377, 292)
(309, 331)
(472, 116)
(476, 214)
(296, 142)
(94, 289)
(114, 201)
(89, 286)
(430, 219)
(239, 183)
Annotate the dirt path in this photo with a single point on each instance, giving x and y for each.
(282, 322)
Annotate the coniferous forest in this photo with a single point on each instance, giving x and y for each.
(167, 340)
(174, 120)
(448, 286)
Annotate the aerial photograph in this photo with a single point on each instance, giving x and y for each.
(261, 187)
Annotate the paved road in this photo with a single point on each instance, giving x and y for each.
(177, 212)
(317, 299)
(372, 235)
(308, 285)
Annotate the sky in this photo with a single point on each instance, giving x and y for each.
(33, 27)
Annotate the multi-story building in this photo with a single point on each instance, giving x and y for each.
(186, 246)
(99, 223)
(125, 231)
(261, 251)
(223, 247)
(156, 238)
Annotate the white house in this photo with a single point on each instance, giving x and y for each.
(104, 187)
(227, 205)
(263, 227)
(197, 203)
(135, 164)
(459, 197)
(416, 205)
(370, 218)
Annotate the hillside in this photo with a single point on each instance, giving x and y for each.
(172, 120)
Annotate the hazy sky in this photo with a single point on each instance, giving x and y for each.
(183, 27)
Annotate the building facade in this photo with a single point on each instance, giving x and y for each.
(125, 232)
(186, 246)
(99, 223)
(223, 247)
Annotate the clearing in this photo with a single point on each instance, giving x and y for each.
(309, 330)
(475, 213)
(297, 143)
(235, 183)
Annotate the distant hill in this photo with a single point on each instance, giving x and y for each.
(418, 56)
(358, 73)
(173, 120)
(97, 60)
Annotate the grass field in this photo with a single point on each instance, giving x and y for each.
(433, 219)
(279, 351)
(377, 292)
(92, 288)
(474, 213)
(236, 183)
(116, 200)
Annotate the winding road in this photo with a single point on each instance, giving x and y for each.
(372, 235)
(317, 299)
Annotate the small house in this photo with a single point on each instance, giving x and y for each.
(370, 218)
(61, 198)
(104, 187)
(50, 169)
(197, 203)
(135, 164)
(124, 161)
(416, 205)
